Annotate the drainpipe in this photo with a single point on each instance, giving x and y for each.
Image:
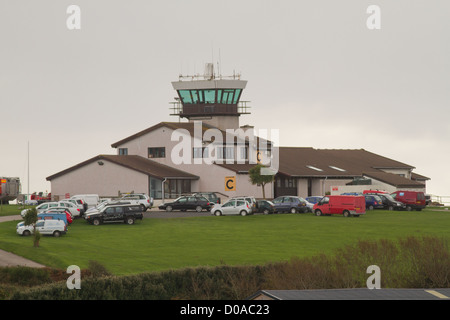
(162, 185)
(323, 185)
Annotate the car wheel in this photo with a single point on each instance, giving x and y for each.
(243, 213)
(218, 213)
(199, 209)
(266, 211)
(408, 208)
(169, 208)
(370, 207)
(293, 210)
(26, 233)
(346, 213)
(143, 208)
(129, 220)
(56, 234)
(96, 222)
(318, 213)
(391, 208)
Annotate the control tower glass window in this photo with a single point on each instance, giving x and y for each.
(227, 96)
(210, 96)
(185, 96)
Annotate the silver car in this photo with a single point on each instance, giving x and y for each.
(232, 207)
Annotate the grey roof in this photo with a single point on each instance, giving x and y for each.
(353, 294)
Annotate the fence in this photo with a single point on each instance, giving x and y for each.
(445, 200)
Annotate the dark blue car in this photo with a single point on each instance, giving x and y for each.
(373, 202)
(290, 204)
(313, 199)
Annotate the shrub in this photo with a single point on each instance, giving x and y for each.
(407, 263)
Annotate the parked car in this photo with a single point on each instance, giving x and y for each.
(412, 199)
(338, 204)
(251, 200)
(89, 200)
(58, 213)
(265, 206)
(309, 205)
(390, 203)
(116, 213)
(45, 227)
(232, 207)
(74, 211)
(373, 201)
(313, 199)
(290, 204)
(144, 200)
(211, 196)
(105, 203)
(78, 203)
(41, 208)
(185, 203)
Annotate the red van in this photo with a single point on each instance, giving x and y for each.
(346, 205)
(412, 199)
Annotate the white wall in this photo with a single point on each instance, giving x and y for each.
(212, 177)
(106, 181)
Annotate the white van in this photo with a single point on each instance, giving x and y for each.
(49, 227)
(90, 199)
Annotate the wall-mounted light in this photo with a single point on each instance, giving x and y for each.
(100, 163)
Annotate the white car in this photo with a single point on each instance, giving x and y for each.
(78, 203)
(144, 200)
(309, 205)
(41, 208)
(73, 209)
(232, 207)
(48, 227)
(100, 206)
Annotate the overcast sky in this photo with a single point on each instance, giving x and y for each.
(314, 71)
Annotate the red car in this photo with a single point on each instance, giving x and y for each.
(412, 199)
(345, 205)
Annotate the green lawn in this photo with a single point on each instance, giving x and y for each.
(161, 244)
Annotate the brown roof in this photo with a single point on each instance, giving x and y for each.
(393, 179)
(309, 162)
(137, 163)
(334, 163)
(189, 126)
(418, 177)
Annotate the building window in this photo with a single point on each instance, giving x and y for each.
(200, 153)
(123, 151)
(173, 188)
(225, 153)
(157, 152)
(243, 153)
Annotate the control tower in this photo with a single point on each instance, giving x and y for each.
(215, 100)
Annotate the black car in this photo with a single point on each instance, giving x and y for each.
(185, 203)
(211, 196)
(389, 203)
(265, 206)
(116, 213)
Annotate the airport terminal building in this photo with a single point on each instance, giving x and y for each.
(207, 150)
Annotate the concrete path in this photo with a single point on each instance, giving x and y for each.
(8, 259)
